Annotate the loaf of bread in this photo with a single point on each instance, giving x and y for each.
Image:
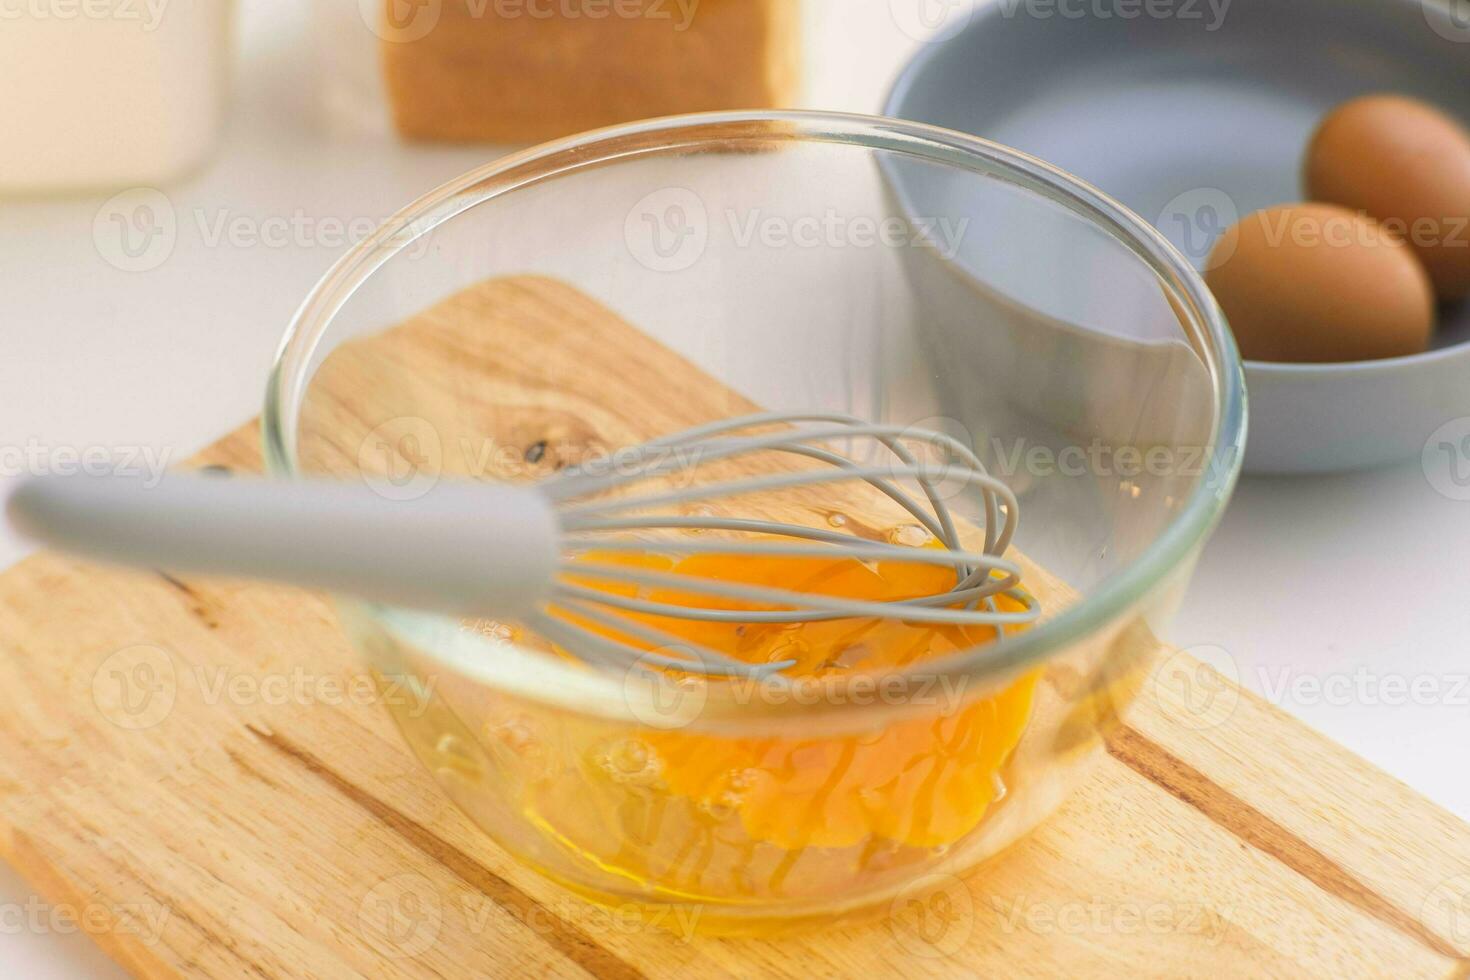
(521, 71)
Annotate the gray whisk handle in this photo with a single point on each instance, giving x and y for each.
(460, 547)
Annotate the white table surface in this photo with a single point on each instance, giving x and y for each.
(1333, 596)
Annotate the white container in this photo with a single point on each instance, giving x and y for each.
(109, 93)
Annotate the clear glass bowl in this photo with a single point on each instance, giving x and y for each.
(811, 262)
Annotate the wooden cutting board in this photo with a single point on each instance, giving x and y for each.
(194, 771)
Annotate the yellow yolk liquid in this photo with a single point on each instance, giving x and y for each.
(921, 782)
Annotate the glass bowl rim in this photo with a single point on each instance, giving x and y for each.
(537, 677)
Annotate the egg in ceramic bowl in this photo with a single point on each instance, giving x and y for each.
(1204, 124)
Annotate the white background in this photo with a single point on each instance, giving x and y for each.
(1360, 577)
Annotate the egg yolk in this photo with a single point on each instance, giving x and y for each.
(922, 781)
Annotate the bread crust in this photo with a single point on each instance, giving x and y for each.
(494, 71)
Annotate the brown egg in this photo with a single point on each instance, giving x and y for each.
(1408, 165)
(1316, 282)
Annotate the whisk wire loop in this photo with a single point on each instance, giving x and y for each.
(588, 518)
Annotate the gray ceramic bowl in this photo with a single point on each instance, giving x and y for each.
(1196, 112)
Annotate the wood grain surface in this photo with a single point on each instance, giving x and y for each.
(197, 774)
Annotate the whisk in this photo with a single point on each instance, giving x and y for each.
(524, 553)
